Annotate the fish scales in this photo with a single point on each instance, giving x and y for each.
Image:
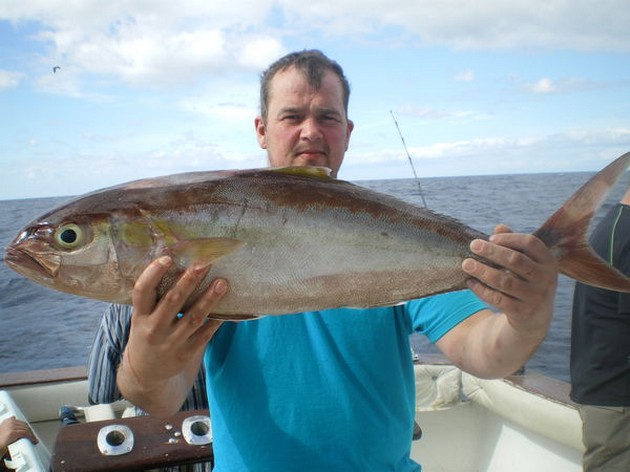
(318, 237)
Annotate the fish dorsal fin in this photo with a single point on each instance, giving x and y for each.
(316, 172)
(203, 251)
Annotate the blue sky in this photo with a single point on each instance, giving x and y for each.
(151, 88)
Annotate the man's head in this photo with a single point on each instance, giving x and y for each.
(304, 105)
(311, 64)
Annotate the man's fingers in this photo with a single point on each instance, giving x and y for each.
(501, 228)
(196, 317)
(492, 296)
(527, 244)
(144, 293)
(502, 280)
(209, 299)
(516, 272)
(517, 253)
(197, 314)
(173, 300)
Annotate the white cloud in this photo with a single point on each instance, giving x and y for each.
(543, 85)
(430, 113)
(157, 43)
(9, 79)
(259, 53)
(163, 42)
(225, 102)
(489, 150)
(142, 54)
(490, 24)
(546, 85)
(465, 76)
(224, 110)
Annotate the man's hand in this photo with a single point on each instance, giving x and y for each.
(12, 429)
(165, 348)
(524, 286)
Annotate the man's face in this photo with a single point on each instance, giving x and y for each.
(304, 127)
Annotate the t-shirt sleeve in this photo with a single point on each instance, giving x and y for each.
(435, 316)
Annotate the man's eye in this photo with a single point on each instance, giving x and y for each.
(329, 119)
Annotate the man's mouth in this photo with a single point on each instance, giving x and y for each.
(311, 152)
(311, 157)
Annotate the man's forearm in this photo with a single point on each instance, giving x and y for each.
(160, 397)
(499, 349)
(487, 345)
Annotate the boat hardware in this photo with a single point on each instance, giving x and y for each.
(115, 440)
(197, 430)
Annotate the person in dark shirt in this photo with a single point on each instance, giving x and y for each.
(600, 351)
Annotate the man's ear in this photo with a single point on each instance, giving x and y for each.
(349, 128)
(261, 131)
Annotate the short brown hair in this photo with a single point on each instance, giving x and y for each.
(312, 63)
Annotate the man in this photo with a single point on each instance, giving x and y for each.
(600, 351)
(330, 390)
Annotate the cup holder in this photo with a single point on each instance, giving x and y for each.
(115, 440)
(197, 430)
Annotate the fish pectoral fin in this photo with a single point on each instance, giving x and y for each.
(203, 251)
(318, 172)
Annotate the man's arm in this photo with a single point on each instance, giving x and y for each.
(164, 353)
(523, 288)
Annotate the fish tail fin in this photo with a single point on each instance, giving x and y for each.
(566, 231)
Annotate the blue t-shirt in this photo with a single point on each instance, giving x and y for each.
(331, 390)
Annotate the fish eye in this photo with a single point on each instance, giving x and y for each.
(68, 236)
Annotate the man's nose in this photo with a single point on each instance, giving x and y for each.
(310, 129)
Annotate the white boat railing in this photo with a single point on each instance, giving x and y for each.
(518, 424)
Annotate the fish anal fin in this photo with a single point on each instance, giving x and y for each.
(204, 251)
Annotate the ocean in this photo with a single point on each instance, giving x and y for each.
(43, 329)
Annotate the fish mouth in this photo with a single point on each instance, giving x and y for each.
(27, 264)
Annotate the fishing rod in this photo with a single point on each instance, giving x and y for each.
(410, 160)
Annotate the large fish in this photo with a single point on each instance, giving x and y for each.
(288, 240)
